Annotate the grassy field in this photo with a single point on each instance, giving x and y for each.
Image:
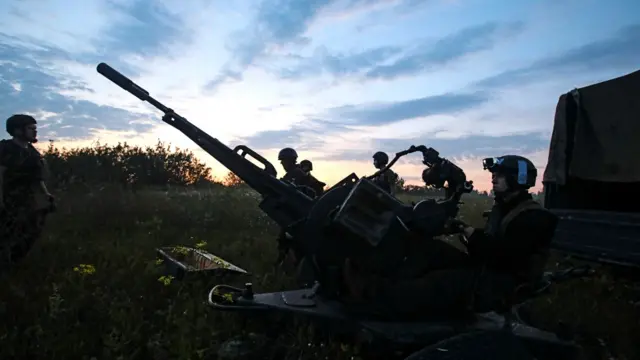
(93, 289)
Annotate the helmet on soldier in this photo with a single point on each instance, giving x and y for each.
(380, 159)
(306, 165)
(519, 172)
(19, 122)
(287, 154)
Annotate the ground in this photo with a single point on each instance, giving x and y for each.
(92, 287)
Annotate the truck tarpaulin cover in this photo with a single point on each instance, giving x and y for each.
(597, 133)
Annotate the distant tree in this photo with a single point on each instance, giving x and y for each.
(414, 189)
(129, 166)
(232, 180)
(399, 184)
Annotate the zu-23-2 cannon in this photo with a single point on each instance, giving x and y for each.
(357, 218)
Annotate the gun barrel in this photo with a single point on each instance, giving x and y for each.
(263, 180)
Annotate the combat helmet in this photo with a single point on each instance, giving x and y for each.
(306, 163)
(519, 171)
(287, 154)
(19, 121)
(381, 157)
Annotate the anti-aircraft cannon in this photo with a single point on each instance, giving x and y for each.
(355, 206)
(353, 219)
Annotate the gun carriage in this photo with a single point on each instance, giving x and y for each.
(357, 219)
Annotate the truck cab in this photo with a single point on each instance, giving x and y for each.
(592, 177)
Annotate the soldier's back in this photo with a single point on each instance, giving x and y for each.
(316, 184)
(386, 180)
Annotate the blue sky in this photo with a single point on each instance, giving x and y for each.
(336, 79)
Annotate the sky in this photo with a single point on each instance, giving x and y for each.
(335, 79)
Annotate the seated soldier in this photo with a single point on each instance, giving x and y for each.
(288, 157)
(439, 279)
(294, 174)
(306, 166)
(387, 179)
(21, 181)
(317, 185)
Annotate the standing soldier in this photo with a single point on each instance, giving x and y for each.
(21, 183)
(387, 179)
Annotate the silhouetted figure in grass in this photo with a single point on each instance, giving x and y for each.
(21, 185)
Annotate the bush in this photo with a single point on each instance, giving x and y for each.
(125, 165)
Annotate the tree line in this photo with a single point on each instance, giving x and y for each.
(151, 166)
(125, 165)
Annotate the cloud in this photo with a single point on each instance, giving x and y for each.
(428, 56)
(114, 31)
(469, 120)
(468, 146)
(144, 28)
(28, 89)
(34, 71)
(620, 51)
(305, 135)
(278, 24)
(390, 62)
(337, 64)
(385, 113)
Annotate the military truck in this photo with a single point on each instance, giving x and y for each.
(592, 178)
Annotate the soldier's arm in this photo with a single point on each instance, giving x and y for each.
(480, 244)
(44, 189)
(42, 171)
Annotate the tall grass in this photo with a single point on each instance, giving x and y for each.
(92, 287)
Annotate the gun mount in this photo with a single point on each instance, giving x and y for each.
(373, 228)
(353, 218)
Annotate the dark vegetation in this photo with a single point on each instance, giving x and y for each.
(92, 288)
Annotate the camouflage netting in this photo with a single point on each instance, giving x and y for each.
(596, 133)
